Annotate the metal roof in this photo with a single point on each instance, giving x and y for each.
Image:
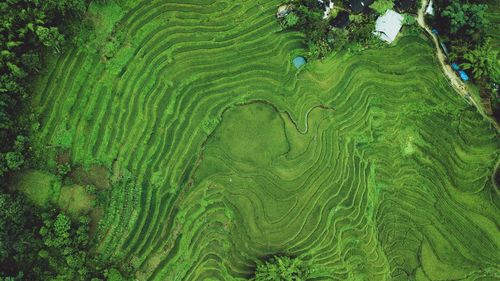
(388, 26)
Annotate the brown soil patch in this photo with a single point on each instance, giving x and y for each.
(63, 157)
(95, 216)
(97, 176)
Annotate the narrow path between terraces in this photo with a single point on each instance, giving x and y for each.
(455, 81)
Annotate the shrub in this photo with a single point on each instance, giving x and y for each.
(381, 6)
(291, 20)
(282, 268)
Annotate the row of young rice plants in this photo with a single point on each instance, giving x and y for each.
(365, 165)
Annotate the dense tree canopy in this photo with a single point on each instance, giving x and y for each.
(36, 244)
(18, 238)
(466, 18)
(46, 245)
(282, 268)
(463, 26)
(291, 20)
(483, 61)
(321, 37)
(27, 27)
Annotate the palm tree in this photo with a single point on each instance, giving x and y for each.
(483, 61)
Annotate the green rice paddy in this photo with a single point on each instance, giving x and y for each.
(221, 153)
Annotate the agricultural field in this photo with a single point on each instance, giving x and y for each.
(218, 153)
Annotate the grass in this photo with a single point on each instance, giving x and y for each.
(75, 200)
(45, 189)
(40, 187)
(366, 165)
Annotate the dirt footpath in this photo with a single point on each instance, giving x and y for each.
(453, 78)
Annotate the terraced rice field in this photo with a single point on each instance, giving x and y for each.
(493, 16)
(368, 166)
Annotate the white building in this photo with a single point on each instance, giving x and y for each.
(284, 10)
(328, 8)
(430, 9)
(388, 26)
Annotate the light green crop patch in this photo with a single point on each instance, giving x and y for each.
(345, 163)
(75, 200)
(40, 187)
(104, 18)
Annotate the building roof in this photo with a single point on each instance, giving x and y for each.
(299, 61)
(341, 20)
(284, 10)
(328, 6)
(403, 5)
(430, 9)
(388, 26)
(357, 6)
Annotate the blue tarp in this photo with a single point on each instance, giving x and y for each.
(299, 61)
(455, 67)
(463, 75)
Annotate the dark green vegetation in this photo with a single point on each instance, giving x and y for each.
(368, 166)
(38, 242)
(471, 34)
(46, 245)
(26, 28)
(282, 268)
(324, 35)
(319, 35)
(218, 153)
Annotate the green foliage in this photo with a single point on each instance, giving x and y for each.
(18, 243)
(63, 169)
(209, 124)
(356, 18)
(14, 160)
(381, 6)
(27, 27)
(319, 48)
(50, 37)
(372, 94)
(282, 268)
(409, 20)
(320, 37)
(46, 245)
(114, 275)
(291, 20)
(55, 233)
(63, 138)
(466, 18)
(360, 29)
(483, 61)
(339, 38)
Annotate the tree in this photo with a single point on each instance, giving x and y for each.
(18, 243)
(361, 28)
(282, 268)
(318, 49)
(64, 7)
(291, 20)
(14, 160)
(50, 37)
(483, 61)
(26, 26)
(114, 275)
(381, 6)
(466, 18)
(338, 37)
